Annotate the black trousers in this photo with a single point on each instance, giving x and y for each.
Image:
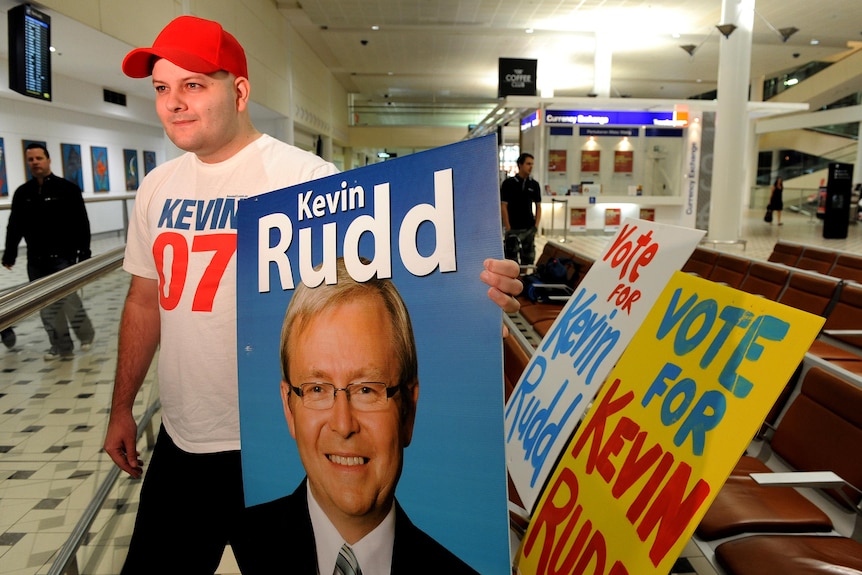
(523, 250)
(191, 507)
(58, 317)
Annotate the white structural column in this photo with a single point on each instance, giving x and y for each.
(540, 155)
(284, 129)
(729, 169)
(327, 148)
(602, 65)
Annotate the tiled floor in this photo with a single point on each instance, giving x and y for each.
(53, 416)
(52, 422)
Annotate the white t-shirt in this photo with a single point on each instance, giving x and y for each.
(183, 233)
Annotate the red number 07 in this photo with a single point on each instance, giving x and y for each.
(224, 246)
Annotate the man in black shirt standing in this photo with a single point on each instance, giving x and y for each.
(49, 213)
(518, 194)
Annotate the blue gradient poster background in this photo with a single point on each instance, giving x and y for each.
(454, 481)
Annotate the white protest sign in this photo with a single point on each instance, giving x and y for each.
(584, 343)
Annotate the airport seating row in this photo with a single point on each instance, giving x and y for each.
(778, 512)
(839, 300)
(837, 263)
(754, 529)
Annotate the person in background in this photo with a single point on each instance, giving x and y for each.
(8, 337)
(776, 198)
(518, 195)
(192, 502)
(48, 212)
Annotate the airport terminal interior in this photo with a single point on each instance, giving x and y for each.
(803, 118)
(54, 415)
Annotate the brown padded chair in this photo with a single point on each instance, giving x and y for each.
(851, 365)
(816, 260)
(790, 555)
(845, 315)
(810, 292)
(515, 360)
(765, 280)
(785, 253)
(730, 270)
(743, 506)
(700, 262)
(847, 267)
(542, 327)
(821, 431)
(537, 313)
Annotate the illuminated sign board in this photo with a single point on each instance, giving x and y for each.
(530, 121)
(611, 118)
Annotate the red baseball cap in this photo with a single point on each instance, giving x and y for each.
(192, 43)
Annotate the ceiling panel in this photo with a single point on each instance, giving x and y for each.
(445, 53)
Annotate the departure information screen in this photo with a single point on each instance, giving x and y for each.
(36, 77)
(29, 52)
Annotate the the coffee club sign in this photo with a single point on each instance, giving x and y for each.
(517, 77)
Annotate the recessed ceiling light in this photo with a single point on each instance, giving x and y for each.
(375, 27)
(814, 41)
(529, 30)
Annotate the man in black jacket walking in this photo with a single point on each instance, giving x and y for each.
(48, 212)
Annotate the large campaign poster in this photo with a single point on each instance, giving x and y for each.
(670, 422)
(584, 343)
(427, 221)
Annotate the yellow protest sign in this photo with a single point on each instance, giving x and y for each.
(671, 420)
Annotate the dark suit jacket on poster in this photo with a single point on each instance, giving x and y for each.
(283, 541)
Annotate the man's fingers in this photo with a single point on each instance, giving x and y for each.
(130, 463)
(506, 302)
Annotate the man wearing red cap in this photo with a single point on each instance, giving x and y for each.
(180, 252)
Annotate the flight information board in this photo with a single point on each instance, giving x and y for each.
(29, 52)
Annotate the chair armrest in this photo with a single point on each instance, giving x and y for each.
(564, 297)
(814, 479)
(846, 339)
(820, 479)
(552, 286)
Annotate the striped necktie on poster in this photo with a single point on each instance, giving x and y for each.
(346, 564)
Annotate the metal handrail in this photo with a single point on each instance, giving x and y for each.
(514, 332)
(19, 303)
(66, 557)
